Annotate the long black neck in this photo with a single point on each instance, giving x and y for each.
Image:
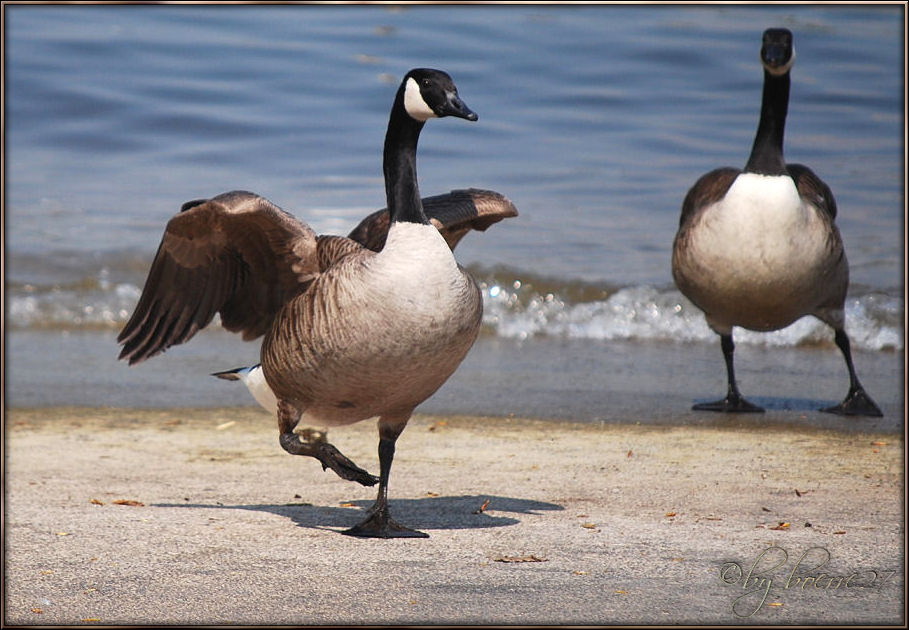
(400, 165)
(767, 151)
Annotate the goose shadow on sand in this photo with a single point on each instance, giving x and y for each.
(425, 513)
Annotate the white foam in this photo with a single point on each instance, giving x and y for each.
(874, 321)
(103, 305)
(513, 309)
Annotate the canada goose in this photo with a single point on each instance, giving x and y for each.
(454, 214)
(759, 248)
(350, 333)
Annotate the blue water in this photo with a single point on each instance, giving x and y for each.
(594, 120)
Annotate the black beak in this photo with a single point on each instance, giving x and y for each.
(775, 55)
(454, 106)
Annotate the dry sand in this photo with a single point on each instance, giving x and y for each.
(530, 522)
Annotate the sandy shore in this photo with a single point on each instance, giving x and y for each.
(197, 516)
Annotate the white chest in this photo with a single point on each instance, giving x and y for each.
(416, 273)
(761, 224)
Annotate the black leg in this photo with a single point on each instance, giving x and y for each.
(857, 402)
(378, 523)
(329, 456)
(288, 416)
(734, 402)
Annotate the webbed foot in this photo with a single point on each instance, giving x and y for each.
(856, 403)
(380, 525)
(731, 404)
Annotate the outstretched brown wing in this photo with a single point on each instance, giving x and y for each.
(236, 254)
(454, 214)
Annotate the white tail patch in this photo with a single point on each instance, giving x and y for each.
(254, 379)
(415, 104)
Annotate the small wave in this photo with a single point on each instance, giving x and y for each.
(873, 321)
(92, 302)
(517, 306)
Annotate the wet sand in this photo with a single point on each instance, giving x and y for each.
(547, 378)
(196, 516)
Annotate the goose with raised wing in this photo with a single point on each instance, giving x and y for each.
(349, 333)
(454, 214)
(759, 248)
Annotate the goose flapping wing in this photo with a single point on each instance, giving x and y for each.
(236, 254)
(454, 214)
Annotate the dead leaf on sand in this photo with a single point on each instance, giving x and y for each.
(528, 558)
(130, 502)
(482, 508)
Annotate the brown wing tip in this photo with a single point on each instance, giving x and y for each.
(134, 355)
(490, 202)
(189, 205)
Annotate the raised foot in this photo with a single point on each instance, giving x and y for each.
(380, 525)
(330, 457)
(730, 404)
(856, 403)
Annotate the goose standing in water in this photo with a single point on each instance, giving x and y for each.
(759, 248)
(350, 333)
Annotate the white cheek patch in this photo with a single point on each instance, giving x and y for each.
(414, 103)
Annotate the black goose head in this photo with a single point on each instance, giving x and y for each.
(777, 51)
(429, 93)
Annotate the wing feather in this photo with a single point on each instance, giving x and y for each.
(236, 254)
(710, 188)
(454, 214)
(813, 189)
